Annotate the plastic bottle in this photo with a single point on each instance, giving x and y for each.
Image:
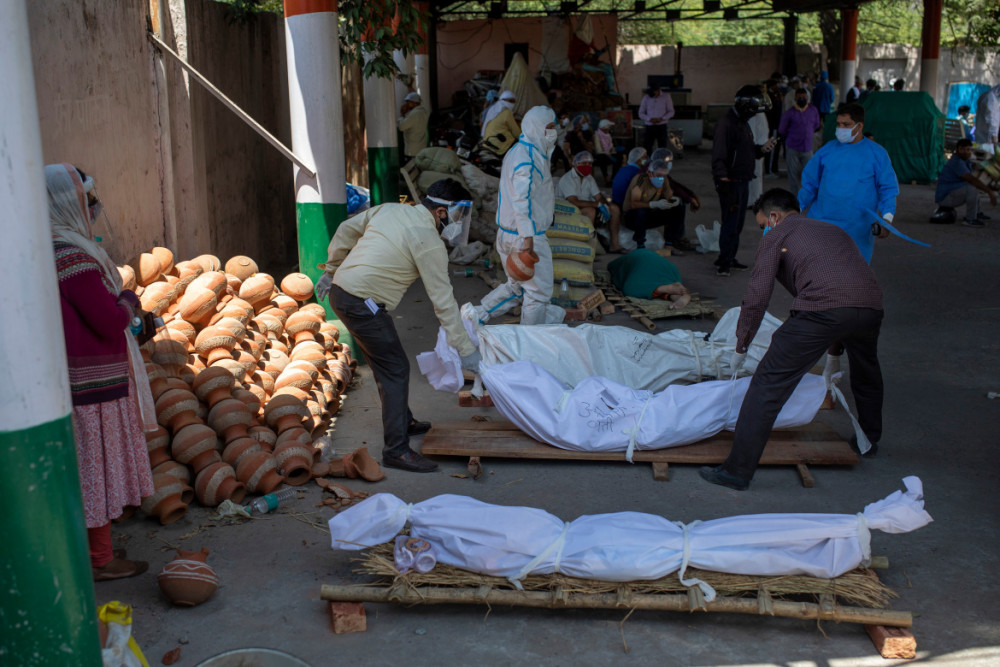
(468, 273)
(270, 502)
(564, 289)
(135, 326)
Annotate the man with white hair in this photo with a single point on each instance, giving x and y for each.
(413, 124)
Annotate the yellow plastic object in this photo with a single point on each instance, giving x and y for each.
(120, 647)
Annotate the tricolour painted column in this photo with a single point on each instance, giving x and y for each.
(47, 607)
(317, 120)
(930, 47)
(405, 65)
(381, 113)
(848, 50)
(421, 63)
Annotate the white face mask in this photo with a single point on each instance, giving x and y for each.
(550, 137)
(845, 135)
(451, 232)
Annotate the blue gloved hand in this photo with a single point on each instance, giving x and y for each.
(323, 286)
(605, 212)
(471, 362)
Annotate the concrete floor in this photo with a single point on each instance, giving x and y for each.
(940, 353)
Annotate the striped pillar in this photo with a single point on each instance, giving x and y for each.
(848, 51)
(930, 48)
(421, 63)
(405, 65)
(317, 120)
(381, 113)
(47, 606)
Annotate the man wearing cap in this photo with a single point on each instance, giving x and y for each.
(822, 95)
(373, 259)
(578, 187)
(413, 124)
(655, 110)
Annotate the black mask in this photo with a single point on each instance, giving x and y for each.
(801, 102)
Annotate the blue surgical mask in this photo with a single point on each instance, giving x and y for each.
(657, 181)
(766, 230)
(585, 127)
(845, 135)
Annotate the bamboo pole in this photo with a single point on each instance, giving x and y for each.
(644, 601)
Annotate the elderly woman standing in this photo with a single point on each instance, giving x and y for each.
(107, 378)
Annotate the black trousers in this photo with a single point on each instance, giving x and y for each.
(795, 348)
(641, 219)
(376, 335)
(602, 161)
(658, 134)
(559, 156)
(733, 197)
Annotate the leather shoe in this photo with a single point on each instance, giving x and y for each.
(739, 266)
(716, 475)
(410, 460)
(418, 428)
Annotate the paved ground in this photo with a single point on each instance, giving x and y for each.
(941, 354)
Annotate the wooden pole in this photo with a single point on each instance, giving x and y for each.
(645, 601)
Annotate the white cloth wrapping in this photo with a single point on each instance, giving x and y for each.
(600, 415)
(442, 366)
(513, 542)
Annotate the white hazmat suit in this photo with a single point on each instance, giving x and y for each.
(527, 203)
(988, 119)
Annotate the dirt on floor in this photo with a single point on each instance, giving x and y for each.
(940, 354)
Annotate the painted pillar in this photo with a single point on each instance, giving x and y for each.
(789, 66)
(381, 113)
(317, 121)
(421, 62)
(848, 50)
(402, 83)
(47, 608)
(930, 46)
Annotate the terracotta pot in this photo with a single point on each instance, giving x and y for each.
(234, 326)
(176, 408)
(293, 377)
(147, 269)
(186, 272)
(188, 580)
(186, 329)
(239, 448)
(165, 504)
(264, 435)
(263, 380)
(175, 469)
(286, 304)
(195, 445)
(213, 385)
(294, 461)
(273, 362)
(249, 399)
(299, 286)
(246, 362)
(279, 345)
(230, 418)
(165, 258)
(157, 379)
(283, 412)
(237, 312)
(215, 343)
(360, 463)
(158, 446)
(216, 483)
(304, 366)
(197, 305)
(302, 326)
(233, 284)
(170, 353)
(241, 266)
(259, 394)
(311, 352)
(156, 297)
(256, 290)
(128, 277)
(212, 280)
(330, 330)
(316, 310)
(269, 325)
(341, 373)
(259, 471)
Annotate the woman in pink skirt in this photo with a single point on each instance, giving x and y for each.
(107, 378)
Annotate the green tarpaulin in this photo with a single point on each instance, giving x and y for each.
(911, 129)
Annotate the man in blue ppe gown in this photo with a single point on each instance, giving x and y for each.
(850, 179)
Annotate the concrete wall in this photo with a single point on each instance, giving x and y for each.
(465, 47)
(96, 109)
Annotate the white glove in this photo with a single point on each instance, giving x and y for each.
(736, 362)
(672, 202)
(471, 362)
(887, 217)
(659, 204)
(323, 286)
(830, 368)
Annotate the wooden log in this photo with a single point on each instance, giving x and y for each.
(807, 479)
(661, 471)
(467, 400)
(607, 308)
(591, 300)
(893, 642)
(643, 601)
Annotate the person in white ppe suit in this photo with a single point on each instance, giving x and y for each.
(527, 204)
(988, 119)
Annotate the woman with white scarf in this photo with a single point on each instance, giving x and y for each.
(112, 404)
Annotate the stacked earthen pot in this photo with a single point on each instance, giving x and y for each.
(245, 376)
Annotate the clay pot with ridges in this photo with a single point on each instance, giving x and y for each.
(217, 482)
(176, 408)
(302, 326)
(241, 266)
(299, 286)
(294, 461)
(197, 305)
(165, 504)
(186, 329)
(264, 435)
(214, 343)
(174, 469)
(259, 471)
(212, 280)
(156, 297)
(186, 272)
(233, 325)
(310, 351)
(158, 446)
(230, 418)
(249, 399)
(286, 304)
(256, 290)
(273, 362)
(213, 385)
(165, 258)
(283, 412)
(239, 448)
(157, 379)
(195, 445)
(147, 269)
(188, 580)
(128, 277)
(269, 325)
(171, 352)
(293, 377)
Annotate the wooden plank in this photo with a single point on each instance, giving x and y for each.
(467, 400)
(807, 479)
(591, 300)
(661, 471)
(896, 643)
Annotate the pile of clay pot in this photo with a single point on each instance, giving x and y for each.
(245, 376)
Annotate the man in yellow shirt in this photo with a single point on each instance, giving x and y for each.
(413, 124)
(373, 259)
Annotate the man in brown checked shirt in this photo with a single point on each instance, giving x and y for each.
(836, 300)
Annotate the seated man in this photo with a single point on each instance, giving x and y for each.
(578, 187)
(957, 186)
(636, 161)
(501, 130)
(653, 202)
(643, 274)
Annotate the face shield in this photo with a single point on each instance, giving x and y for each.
(455, 231)
(100, 225)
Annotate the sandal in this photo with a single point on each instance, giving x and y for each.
(119, 568)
